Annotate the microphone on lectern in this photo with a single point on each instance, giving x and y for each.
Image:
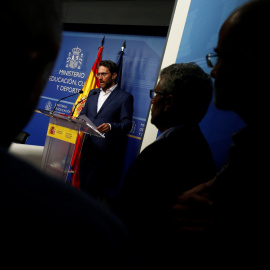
(71, 114)
(76, 106)
(95, 92)
(80, 92)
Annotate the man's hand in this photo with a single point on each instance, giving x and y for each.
(105, 127)
(193, 209)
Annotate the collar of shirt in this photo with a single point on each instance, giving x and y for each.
(110, 89)
(103, 96)
(168, 131)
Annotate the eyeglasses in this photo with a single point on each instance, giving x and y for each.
(101, 75)
(153, 92)
(211, 59)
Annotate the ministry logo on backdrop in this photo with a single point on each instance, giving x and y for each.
(75, 58)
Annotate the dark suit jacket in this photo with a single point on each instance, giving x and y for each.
(40, 211)
(161, 172)
(102, 159)
(241, 202)
(240, 209)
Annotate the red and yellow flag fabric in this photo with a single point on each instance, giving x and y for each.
(91, 83)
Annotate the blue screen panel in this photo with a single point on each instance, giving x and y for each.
(199, 38)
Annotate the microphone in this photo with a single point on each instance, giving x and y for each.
(77, 105)
(95, 92)
(80, 92)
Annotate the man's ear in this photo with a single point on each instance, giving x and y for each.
(114, 75)
(169, 102)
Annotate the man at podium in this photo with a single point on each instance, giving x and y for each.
(110, 108)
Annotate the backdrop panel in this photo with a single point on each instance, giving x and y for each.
(199, 38)
(195, 25)
(141, 62)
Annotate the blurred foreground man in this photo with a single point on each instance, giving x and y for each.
(30, 200)
(225, 222)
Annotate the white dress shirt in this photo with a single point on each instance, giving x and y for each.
(103, 96)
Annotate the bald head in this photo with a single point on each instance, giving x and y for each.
(242, 71)
(30, 22)
(250, 26)
(31, 35)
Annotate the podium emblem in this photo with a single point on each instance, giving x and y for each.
(52, 130)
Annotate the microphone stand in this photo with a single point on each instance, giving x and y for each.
(71, 114)
(51, 113)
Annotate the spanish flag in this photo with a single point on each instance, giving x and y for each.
(91, 83)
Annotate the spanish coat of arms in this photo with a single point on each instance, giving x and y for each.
(75, 58)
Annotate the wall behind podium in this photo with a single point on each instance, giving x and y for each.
(200, 38)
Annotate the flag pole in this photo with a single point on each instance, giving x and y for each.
(120, 64)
